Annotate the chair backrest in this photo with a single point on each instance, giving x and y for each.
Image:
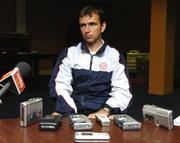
(123, 60)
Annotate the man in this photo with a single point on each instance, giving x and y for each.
(88, 78)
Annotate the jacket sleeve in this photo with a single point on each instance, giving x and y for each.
(60, 85)
(120, 93)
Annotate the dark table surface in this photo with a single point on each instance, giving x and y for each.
(11, 132)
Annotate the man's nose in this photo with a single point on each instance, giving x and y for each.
(87, 28)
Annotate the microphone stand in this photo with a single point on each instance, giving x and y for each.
(4, 89)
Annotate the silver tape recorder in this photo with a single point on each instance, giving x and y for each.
(159, 116)
(80, 122)
(126, 122)
(30, 111)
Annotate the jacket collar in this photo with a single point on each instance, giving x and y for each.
(98, 53)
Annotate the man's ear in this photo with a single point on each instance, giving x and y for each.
(103, 27)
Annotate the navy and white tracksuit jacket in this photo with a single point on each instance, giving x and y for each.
(85, 83)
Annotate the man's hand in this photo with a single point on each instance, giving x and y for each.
(101, 111)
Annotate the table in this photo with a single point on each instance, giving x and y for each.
(11, 132)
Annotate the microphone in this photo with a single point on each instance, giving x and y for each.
(13, 80)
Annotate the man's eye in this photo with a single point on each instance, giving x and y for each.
(82, 25)
(89, 25)
(92, 24)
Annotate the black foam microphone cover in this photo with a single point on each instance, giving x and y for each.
(24, 68)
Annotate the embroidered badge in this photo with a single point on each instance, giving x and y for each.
(103, 66)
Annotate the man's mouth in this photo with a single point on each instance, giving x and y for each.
(88, 36)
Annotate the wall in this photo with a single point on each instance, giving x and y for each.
(53, 25)
(7, 16)
(177, 46)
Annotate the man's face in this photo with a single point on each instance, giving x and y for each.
(91, 28)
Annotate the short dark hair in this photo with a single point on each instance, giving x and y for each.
(89, 10)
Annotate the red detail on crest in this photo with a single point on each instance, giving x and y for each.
(103, 66)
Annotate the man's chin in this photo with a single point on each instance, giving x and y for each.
(89, 41)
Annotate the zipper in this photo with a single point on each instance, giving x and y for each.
(90, 67)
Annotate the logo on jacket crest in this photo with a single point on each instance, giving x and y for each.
(103, 66)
